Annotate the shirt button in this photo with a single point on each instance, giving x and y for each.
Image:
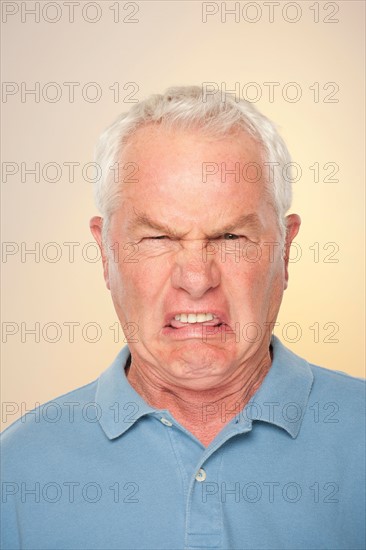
(166, 422)
(201, 475)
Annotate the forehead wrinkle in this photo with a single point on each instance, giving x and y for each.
(142, 219)
(251, 221)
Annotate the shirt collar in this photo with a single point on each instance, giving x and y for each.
(119, 403)
(284, 393)
(280, 400)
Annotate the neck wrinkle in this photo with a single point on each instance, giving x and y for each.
(203, 413)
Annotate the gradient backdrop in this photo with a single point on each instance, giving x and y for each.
(85, 67)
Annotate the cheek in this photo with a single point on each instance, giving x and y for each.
(269, 288)
(256, 282)
(121, 286)
(135, 283)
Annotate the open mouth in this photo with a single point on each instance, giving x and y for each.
(193, 320)
(181, 325)
(199, 326)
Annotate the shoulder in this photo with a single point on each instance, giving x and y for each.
(338, 384)
(331, 399)
(337, 405)
(51, 422)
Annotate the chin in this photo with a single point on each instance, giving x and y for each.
(200, 363)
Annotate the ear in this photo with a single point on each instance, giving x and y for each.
(96, 226)
(293, 222)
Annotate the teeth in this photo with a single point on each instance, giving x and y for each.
(193, 318)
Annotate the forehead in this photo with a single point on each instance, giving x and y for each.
(187, 175)
(156, 144)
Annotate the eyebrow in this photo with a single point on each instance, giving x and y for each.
(251, 221)
(142, 219)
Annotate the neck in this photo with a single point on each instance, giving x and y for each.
(203, 412)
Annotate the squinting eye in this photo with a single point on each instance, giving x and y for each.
(231, 236)
(158, 237)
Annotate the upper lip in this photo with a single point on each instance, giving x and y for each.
(220, 316)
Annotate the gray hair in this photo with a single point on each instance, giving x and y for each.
(191, 107)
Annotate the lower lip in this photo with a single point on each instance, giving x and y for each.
(195, 330)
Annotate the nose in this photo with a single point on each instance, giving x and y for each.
(194, 271)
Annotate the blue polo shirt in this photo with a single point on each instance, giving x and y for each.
(98, 468)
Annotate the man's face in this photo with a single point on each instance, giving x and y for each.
(193, 236)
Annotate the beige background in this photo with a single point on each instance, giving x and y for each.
(171, 45)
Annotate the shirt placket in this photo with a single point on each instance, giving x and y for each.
(201, 474)
(204, 515)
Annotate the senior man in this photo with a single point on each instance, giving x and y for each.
(208, 433)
